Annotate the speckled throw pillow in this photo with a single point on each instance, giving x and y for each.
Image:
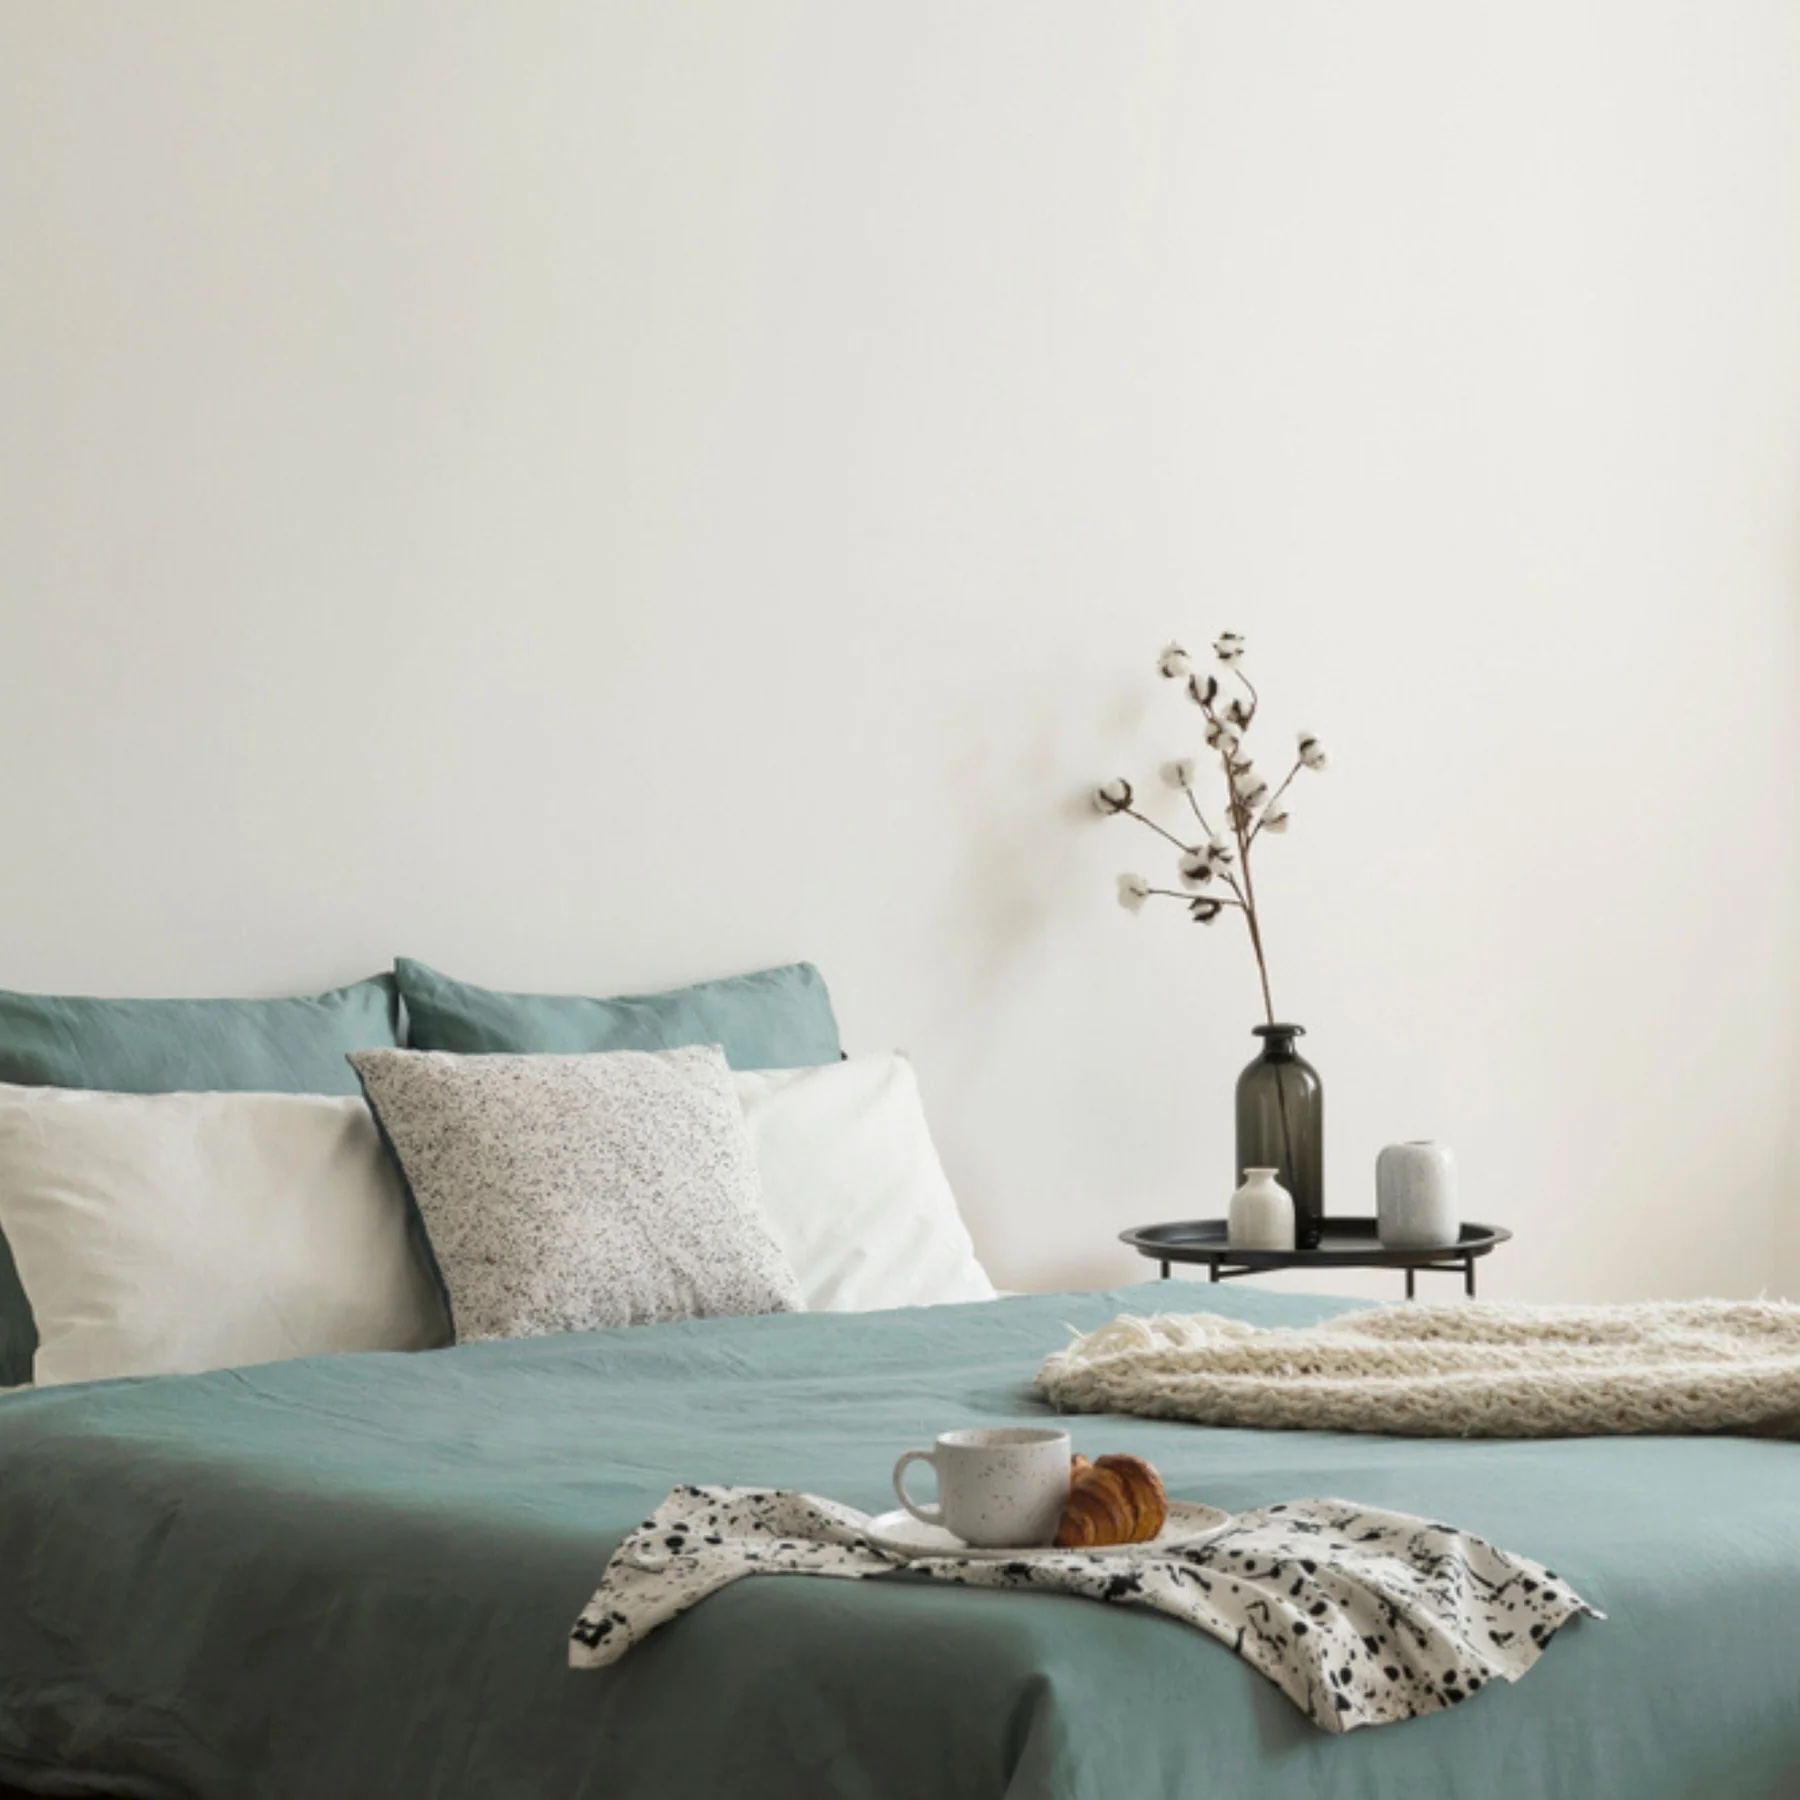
(564, 1193)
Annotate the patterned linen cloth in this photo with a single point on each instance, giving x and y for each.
(1359, 1616)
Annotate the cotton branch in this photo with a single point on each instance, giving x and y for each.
(1250, 807)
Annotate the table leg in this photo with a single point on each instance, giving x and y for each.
(1213, 1271)
(1409, 1283)
(1165, 1271)
(1469, 1276)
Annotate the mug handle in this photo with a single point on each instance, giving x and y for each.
(932, 1514)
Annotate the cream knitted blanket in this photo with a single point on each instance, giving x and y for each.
(1474, 1369)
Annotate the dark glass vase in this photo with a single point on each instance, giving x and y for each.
(1281, 1126)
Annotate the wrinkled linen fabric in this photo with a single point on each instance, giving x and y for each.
(292, 1046)
(165, 1544)
(770, 1019)
(1360, 1616)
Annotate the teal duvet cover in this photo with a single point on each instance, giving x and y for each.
(355, 1576)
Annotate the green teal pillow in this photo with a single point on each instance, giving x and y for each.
(18, 1330)
(171, 1046)
(774, 1019)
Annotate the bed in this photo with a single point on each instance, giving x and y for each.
(354, 1575)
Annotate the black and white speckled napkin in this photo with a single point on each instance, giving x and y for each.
(1359, 1616)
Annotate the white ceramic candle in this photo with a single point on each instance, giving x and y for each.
(1262, 1214)
(1415, 1197)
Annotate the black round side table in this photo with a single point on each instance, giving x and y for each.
(1347, 1243)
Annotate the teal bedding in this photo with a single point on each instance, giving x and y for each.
(770, 1019)
(354, 1576)
(290, 1046)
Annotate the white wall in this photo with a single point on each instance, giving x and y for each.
(599, 495)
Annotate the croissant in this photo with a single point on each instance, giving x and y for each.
(1116, 1500)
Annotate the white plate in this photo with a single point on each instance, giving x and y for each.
(903, 1535)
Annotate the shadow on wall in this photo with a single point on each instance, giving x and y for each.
(1085, 1274)
(1022, 815)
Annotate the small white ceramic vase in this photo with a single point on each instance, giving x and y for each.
(1262, 1214)
(1415, 1197)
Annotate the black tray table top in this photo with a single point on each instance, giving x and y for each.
(1345, 1243)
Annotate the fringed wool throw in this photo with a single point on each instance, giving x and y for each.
(1475, 1369)
(1360, 1617)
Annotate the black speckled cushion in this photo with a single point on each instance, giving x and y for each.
(567, 1193)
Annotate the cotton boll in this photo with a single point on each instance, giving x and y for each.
(1174, 663)
(1275, 819)
(1134, 890)
(1249, 787)
(1196, 866)
(1312, 752)
(1228, 647)
(1113, 796)
(1179, 773)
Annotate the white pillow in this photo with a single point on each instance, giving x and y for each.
(161, 1233)
(854, 1189)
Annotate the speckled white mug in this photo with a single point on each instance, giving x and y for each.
(999, 1488)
